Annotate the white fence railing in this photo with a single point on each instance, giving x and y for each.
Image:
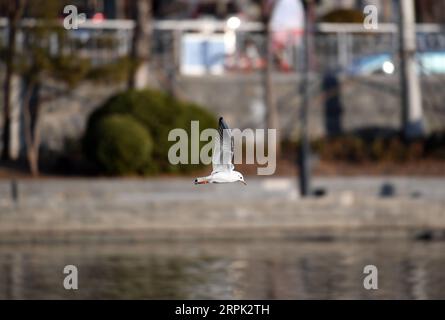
(336, 45)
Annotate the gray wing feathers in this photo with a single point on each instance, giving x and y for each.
(223, 148)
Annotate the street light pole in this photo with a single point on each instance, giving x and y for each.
(304, 148)
(272, 120)
(410, 91)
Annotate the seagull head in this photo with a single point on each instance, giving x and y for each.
(240, 178)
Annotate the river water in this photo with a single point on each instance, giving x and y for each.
(225, 270)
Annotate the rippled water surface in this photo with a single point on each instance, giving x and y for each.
(225, 270)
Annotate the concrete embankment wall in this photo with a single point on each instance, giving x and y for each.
(78, 210)
(337, 104)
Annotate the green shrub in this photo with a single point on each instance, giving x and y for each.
(70, 69)
(347, 148)
(191, 112)
(393, 149)
(120, 145)
(158, 113)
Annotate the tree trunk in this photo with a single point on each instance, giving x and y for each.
(14, 14)
(31, 129)
(269, 93)
(141, 44)
(33, 160)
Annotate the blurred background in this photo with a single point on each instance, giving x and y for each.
(91, 88)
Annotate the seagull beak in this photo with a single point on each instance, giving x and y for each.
(201, 181)
(243, 182)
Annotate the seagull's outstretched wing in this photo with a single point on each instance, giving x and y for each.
(223, 148)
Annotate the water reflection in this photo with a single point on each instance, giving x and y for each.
(225, 270)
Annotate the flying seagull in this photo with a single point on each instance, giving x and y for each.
(222, 159)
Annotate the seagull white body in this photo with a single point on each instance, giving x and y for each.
(222, 159)
(221, 177)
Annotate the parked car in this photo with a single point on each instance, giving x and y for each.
(429, 62)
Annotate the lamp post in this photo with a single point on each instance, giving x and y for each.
(411, 95)
(304, 176)
(232, 25)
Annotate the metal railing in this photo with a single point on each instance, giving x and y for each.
(336, 45)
